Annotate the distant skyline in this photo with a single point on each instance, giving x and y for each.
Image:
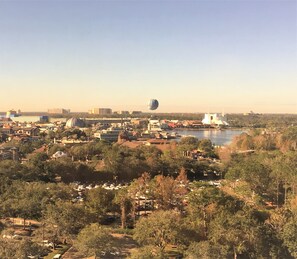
(193, 56)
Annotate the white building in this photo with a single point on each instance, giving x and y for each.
(156, 125)
(214, 119)
(111, 134)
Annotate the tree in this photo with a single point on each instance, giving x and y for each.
(243, 142)
(289, 236)
(66, 218)
(190, 142)
(159, 229)
(203, 204)
(139, 187)
(251, 169)
(147, 252)
(205, 250)
(123, 199)
(205, 145)
(19, 249)
(93, 240)
(165, 192)
(98, 202)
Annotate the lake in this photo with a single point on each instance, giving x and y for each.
(217, 137)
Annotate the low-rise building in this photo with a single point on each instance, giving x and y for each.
(10, 153)
(111, 134)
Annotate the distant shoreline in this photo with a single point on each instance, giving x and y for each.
(212, 129)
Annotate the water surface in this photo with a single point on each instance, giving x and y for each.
(217, 137)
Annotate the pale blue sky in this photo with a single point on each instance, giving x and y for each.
(193, 56)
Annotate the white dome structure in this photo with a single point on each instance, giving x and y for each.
(75, 122)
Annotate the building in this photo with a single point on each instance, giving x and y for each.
(58, 111)
(26, 131)
(135, 112)
(9, 153)
(154, 125)
(157, 126)
(6, 121)
(101, 111)
(122, 112)
(111, 134)
(141, 123)
(43, 119)
(215, 119)
(75, 122)
(12, 113)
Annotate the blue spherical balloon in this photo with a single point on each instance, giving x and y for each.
(153, 104)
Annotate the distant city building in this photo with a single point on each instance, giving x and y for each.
(43, 118)
(58, 111)
(214, 119)
(12, 113)
(251, 113)
(101, 111)
(135, 112)
(122, 112)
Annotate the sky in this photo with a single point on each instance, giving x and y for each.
(193, 56)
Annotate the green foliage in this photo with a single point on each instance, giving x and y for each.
(29, 200)
(69, 171)
(289, 236)
(94, 239)
(98, 202)
(54, 148)
(289, 138)
(19, 249)
(74, 134)
(159, 229)
(68, 218)
(205, 250)
(125, 203)
(147, 252)
(252, 170)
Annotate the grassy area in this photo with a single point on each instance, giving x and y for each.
(60, 250)
(125, 231)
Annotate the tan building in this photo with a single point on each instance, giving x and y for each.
(101, 111)
(58, 111)
(135, 112)
(122, 112)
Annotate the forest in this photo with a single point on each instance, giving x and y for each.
(238, 201)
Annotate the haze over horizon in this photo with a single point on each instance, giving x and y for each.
(193, 56)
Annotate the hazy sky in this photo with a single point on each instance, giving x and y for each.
(193, 56)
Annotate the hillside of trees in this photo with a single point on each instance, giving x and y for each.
(238, 201)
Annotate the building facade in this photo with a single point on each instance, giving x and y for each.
(215, 119)
(58, 111)
(101, 111)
